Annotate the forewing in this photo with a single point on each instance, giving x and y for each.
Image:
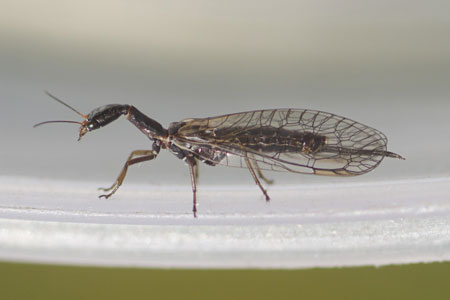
(351, 148)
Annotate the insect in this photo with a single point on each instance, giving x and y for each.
(293, 140)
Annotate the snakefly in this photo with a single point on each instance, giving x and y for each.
(293, 140)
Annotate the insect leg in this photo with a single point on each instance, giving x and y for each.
(260, 174)
(252, 171)
(196, 169)
(145, 156)
(192, 162)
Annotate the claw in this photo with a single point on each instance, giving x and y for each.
(106, 196)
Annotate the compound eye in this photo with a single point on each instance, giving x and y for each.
(92, 125)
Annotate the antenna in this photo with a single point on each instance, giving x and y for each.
(65, 104)
(59, 121)
(62, 121)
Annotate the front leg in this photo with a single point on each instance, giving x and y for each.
(145, 155)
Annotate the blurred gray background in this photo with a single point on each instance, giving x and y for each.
(383, 63)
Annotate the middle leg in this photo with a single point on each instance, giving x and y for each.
(192, 162)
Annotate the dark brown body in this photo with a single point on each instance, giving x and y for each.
(294, 140)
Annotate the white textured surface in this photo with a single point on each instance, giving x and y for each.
(316, 225)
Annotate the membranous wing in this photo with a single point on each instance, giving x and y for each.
(294, 140)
